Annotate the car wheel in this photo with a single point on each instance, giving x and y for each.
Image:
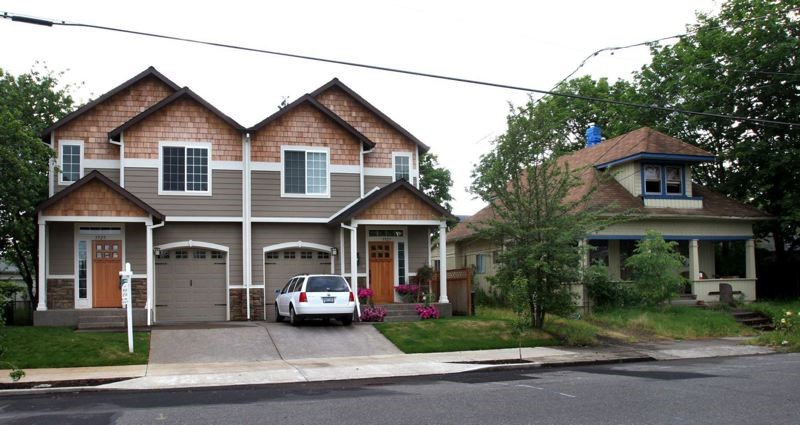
(278, 317)
(293, 319)
(347, 320)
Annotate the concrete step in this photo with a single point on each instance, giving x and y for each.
(100, 325)
(98, 319)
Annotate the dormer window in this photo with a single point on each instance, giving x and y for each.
(652, 179)
(664, 180)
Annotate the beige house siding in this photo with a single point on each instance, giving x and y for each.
(682, 227)
(136, 247)
(673, 203)
(225, 199)
(266, 234)
(371, 182)
(417, 247)
(267, 200)
(629, 176)
(61, 238)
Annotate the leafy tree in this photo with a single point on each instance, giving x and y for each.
(539, 218)
(435, 180)
(29, 103)
(744, 62)
(656, 267)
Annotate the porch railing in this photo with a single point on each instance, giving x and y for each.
(459, 290)
(707, 290)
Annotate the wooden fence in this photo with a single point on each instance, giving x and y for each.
(459, 290)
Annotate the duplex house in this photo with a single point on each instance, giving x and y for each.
(652, 177)
(213, 216)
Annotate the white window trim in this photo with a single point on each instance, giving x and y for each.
(202, 145)
(61, 144)
(307, 149)
(410, 157)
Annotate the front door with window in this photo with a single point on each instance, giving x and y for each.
(381, 270)
(106, 265)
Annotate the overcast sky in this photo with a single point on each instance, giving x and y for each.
(530, 44)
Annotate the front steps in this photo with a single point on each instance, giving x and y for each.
(101, 318)
(754, 320)
(402, 312)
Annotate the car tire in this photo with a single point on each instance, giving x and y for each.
(278, 317)
(347, 320)
(294, 320)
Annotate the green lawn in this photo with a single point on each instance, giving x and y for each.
(784, 337)
(676, 322)
(34, 347)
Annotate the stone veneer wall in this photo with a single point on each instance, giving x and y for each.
(238, 304)
(60, 293)
(139, 293)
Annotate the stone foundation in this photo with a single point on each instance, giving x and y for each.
(139, 293)
(60, 294)
(238, 304)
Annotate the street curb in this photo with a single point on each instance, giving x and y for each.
(551, 365)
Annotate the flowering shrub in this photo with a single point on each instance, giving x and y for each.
(364, 294)
(372, 314)
(785, 326)
(427, 312)
(407, 289)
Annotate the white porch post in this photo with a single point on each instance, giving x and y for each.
(354, 264)
(443, 263)
(584, 244)
(694, 261)
(41, 273)
(750, 259)
(149, 246)
(341, 251)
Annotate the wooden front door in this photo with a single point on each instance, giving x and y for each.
(381, 271)
(106, 265)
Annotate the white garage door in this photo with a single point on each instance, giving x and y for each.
(190, 285)
(279, 266)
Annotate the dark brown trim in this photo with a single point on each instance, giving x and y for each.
(322, 108)
(184, 92)
(336, 83)
(382, 193)
(149, 72)
(96, 175)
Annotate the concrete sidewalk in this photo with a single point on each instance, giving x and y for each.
(192, 375)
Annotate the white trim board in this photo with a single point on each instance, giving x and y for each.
(400, 222)
(212, 219)
(192, 244)
(94, 219)
(297, 244)
(101, 163)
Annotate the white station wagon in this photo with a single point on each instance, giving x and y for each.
(318, 296)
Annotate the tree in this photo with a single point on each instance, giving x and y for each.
(743, 62)
(656, 267)
(29, 103)
(539, 217)
(435, 180)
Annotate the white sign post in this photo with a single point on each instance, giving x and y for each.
(125, 280)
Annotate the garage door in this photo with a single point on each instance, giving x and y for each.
(279, 266)
(190, 285)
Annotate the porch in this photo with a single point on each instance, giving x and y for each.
(710, 261)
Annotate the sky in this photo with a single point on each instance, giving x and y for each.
(524, 43)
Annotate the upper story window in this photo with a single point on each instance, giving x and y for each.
(71, 156)
(185, 170)
(663, 180)
(402, 166)
(305, 173)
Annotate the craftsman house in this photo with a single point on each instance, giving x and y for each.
(214, 216)
(652, 176)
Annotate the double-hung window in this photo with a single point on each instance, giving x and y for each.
(305, 172)
(402, 166)
(663, 180)
(674, 179)
(70, 158)
(184, 169)
(652, 179)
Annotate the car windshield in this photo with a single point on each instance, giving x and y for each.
(326, 284)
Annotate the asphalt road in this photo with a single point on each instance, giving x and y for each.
(746, 390)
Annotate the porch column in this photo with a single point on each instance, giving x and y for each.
(614, 267)
(41, 273)
(694, 261)
(584, 244)
(149, 247)
(354, 264)
(443, 263)
(750, 259)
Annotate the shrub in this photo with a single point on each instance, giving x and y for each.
(606, 293)
(409, 293)
(365, 295)
(427, 312)
(656, 269)
(491, 298)
(372, 314)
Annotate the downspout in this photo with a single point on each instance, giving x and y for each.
(353, 264)
(246, 226)
(121, 145)
(52, 163)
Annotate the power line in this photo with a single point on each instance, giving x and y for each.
(50, 23)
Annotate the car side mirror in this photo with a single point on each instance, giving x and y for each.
(277, 292)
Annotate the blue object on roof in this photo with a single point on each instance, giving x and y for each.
(593, 135)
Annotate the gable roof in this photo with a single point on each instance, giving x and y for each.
(341, 86)
(182, 93)
(149, 72)
(382, 193)
(98, 176)
(634, 145)
(642, 143)
(308, 99)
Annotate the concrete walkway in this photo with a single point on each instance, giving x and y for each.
(190, 375)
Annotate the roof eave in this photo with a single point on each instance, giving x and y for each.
(657, 157)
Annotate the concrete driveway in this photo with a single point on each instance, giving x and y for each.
(235, 342)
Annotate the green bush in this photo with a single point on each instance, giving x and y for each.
(494, 298)
(606, 293)
(656, 269)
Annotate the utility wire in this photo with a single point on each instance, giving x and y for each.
(50, 23)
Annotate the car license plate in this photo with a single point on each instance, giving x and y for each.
(328, 300)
